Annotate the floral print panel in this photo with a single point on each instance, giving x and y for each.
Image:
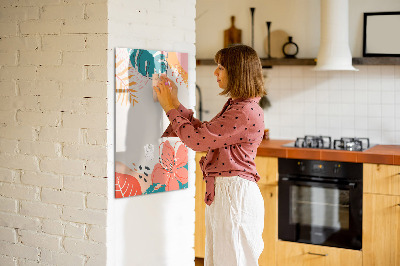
(145, 163)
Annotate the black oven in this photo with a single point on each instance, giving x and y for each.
(320, 202)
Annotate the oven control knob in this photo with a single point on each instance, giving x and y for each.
(336, 169)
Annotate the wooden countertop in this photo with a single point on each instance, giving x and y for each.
(379, 154)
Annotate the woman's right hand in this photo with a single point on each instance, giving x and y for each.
(174, 90)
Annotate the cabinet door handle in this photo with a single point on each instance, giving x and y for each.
(318, 254)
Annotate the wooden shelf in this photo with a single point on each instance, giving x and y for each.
(312, 61)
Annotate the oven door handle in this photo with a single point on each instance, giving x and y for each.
(329, 184)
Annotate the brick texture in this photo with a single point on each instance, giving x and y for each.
(53, 56)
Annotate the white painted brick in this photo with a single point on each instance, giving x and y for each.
(17, 132)
(7, 88)
(39, 87)
(94, 201)
(85, 152)
(18, 250)
(96, 136)
(84, 26)
(8, 146)
(18, 161)
(18, 72)
(98, 42)
(160, 18)
(40, 148)
(53, 227)
(98, 73)
(8, 58)
(25, 103)
(97, 11)
(84, 216)
(35, 2)
(39, 58)
(40, 27)
(38, 209)
(63, 197)
(18, 191)
(85, 89)
(63, 104)
(88, 57)
(190, 36)
(86, 184)
(58, 134)
(7, 175)
(19, 221)
(96, 168)
(8, 117)
(19, 43)
(61, 259)
(8, 261)
(39, 118)
(84, 247)
(75, 230)
(41, 179)
(35, 239)
(60, 73)
(98, 260)
(95, 105)
(8, 234)
(97, 234)
(62, 12)
(183, 22)
(25, 262)
(98, 121)
(62, 166)
(18, 13)
(8, 205)
(67, 42)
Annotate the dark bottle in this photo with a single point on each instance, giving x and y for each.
(290, 49)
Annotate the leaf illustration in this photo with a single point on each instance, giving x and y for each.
(125, 95)
(126, 186)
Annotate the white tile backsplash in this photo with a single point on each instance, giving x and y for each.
(364, 103)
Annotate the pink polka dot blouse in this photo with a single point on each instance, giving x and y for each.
(231, 139)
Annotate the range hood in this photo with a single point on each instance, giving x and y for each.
(334, 51)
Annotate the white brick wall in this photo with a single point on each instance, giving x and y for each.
(53, 108)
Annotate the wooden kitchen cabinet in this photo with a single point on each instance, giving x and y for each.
(381, 215)
(381, 179)
(200, 207)
(267, 168)
(298, 254)
(381, 229)
(270, 233)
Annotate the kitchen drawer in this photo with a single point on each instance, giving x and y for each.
(381, 179)
(267, 168)
(298, 254)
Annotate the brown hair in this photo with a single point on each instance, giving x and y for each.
(245, 78)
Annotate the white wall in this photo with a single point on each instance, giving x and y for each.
(156, 229)
(338, 104)
(299, 18)
(53, 190)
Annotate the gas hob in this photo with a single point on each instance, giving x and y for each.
(325, 142)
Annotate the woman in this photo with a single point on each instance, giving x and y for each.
(235, 207)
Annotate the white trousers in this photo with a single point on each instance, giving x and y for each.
(234, 223)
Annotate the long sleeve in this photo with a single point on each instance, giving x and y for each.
(225, 130)
(188, 114)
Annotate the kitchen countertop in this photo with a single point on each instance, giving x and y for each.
(379, 154)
